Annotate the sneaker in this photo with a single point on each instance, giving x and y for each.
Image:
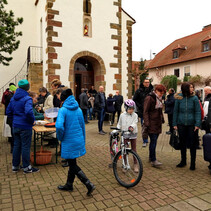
(15, 170)
(144, 145)
(156, 163)
(136, 168)
(104, 131)
(31, 170)
(101, 133)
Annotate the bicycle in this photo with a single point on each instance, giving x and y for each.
(124, 160)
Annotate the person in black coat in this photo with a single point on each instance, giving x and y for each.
(110, 107)
(139, 96)
(118, 105)
(169, 109)
(93, 91)
(99, 107)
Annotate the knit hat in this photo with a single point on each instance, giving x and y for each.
(23, 84)
(65, 94)
(12, 88)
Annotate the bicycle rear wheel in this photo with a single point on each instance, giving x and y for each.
(123, 168)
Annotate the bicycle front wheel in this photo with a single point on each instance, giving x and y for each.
(128, 169)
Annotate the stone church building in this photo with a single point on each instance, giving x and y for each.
(80, 42)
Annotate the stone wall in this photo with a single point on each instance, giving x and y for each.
(35, 76)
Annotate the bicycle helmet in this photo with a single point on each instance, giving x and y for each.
(129, 104)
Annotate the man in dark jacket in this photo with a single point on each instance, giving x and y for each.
(118, 105)
(20, 111)
(169, 109)
(84, 103)
(99, 107)
(93, 91)
(139, 96)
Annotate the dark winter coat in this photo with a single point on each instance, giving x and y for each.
(208, 97)
(187, 111)
(169, 104)
(118, 102)
(153, 118)
(83, 101)
(20, 110)
(110, 104)
(98, 102)
(139, 97)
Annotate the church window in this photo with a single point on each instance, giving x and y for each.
(87, 18)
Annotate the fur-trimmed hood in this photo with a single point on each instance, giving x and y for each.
(179, 95)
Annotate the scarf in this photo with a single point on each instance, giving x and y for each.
(159, 103)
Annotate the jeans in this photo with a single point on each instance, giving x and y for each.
(101, 116)
(152, 146)
(145, 140)
(89, 111)
(22, 145)
(187, 140)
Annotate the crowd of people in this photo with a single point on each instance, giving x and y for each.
(185, 111)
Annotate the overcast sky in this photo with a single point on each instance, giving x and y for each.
(160, 22)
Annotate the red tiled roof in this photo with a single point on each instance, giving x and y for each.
(190, 46)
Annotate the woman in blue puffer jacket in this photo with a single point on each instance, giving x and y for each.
(187, 119)
(70, 129)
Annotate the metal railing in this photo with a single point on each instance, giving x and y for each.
(34, 55)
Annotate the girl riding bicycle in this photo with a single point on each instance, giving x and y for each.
(128, 122)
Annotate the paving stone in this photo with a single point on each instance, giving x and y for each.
(199, 203)
(182, 205)
(166, 208)
(206, 197)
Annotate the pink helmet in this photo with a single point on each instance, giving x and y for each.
(129, 104)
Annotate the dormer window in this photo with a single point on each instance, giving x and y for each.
(178, 50)
(206, 44)
(175, 54)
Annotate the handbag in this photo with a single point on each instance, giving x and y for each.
(174, 140)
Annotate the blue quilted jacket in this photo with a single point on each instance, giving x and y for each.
(20, 110)
(70, 129)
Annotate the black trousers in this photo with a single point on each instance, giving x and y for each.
(73, 170)
(118, 115)
(170, 120)
(187, 140)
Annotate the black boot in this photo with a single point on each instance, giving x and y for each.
(183, 156)
(82, 177)
(69, 184)
(66, 187)
(181, 164)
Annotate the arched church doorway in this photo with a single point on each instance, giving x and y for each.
(84, 75)
(86, 69)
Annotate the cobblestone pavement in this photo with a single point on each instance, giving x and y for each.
(166, 188)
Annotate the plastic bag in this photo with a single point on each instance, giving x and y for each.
(6, 130)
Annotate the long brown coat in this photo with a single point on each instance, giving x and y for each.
(153, 118)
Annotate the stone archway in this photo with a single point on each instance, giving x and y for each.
(98, 64)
